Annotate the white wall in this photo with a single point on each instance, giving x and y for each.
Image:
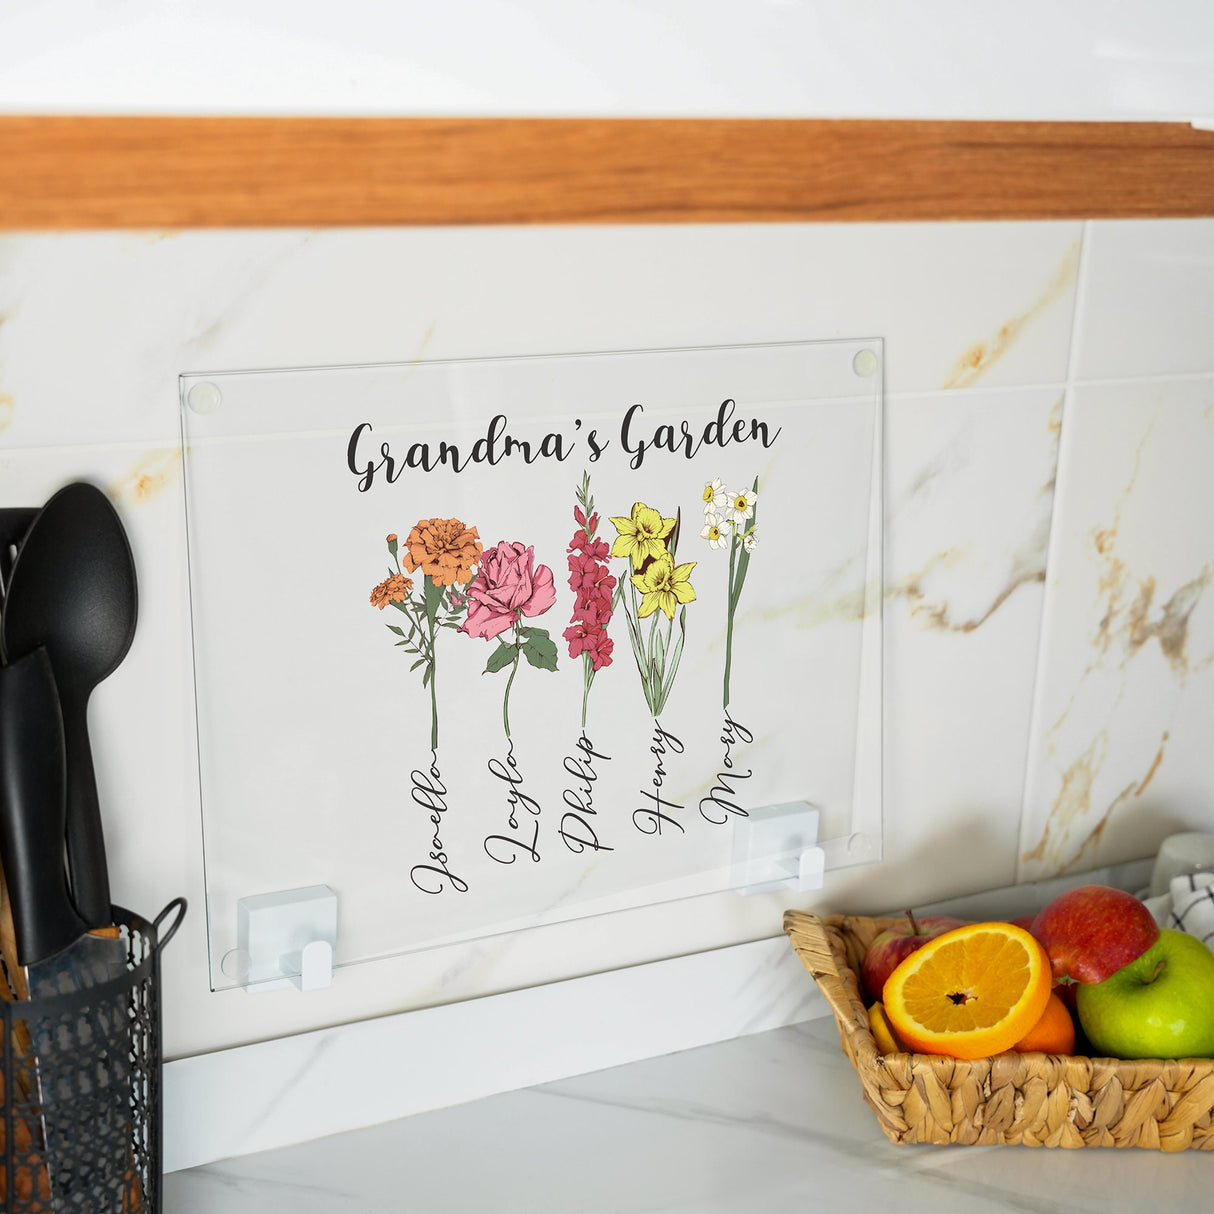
(1086, 59)
(1018, 357)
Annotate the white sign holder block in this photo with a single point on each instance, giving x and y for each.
(775, 847)
(287, 939)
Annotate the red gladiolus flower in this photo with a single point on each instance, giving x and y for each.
(593, 585)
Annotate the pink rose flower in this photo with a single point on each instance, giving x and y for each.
(507, 585)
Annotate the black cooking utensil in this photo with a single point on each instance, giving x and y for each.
(32, 813)
(81, 1052)
(72, 590)
(14, 523)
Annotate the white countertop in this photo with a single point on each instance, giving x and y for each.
(766, 1123)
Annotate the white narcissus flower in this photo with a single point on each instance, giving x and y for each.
(749, 540)
(715, 496)
(742, 505)
(716, 530)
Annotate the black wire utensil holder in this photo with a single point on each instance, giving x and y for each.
(82, 1108)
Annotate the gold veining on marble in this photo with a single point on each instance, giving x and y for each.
(150, 476)
(982, 355)
(1073, 805)
(1054, 421)
(1146, 780)
(1117, 585)
(1129, 617)
(1026, 562)
(1074, 800)
(819, 606)
(1028, 568)
(1171, 629)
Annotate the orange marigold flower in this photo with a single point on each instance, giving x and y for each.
(393, 590)
(392, 538)
(443, 548)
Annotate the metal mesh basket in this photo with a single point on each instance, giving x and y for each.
(81, 1127)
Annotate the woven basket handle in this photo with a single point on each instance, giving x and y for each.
(808, 934)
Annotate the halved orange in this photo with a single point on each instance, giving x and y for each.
(971, 992)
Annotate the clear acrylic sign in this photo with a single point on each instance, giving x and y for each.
(492, 643)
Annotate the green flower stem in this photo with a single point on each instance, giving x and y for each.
(433, 692)
(518, 653)
(587, 679)
(733, 556)
(506, 698)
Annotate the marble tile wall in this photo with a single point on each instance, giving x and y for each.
(1124, 712)
(1048, 638)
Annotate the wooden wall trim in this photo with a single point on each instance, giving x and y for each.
(69, 172)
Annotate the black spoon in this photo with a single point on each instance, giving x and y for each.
(72, 589)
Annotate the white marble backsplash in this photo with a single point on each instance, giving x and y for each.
(1125, 703)
(1048, 634)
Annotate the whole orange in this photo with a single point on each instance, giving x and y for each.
(1054, 1033)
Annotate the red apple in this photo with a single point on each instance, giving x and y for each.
(892, 945)
(1092, 931)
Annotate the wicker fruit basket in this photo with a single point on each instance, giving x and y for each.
(1027, 1099)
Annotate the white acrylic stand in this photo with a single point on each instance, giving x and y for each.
(287, 939)
(775, 847)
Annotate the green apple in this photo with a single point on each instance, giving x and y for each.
(1160, 1005)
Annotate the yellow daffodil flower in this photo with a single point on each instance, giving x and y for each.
(642, 536)
(663, 585)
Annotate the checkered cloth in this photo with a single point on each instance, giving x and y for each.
(1193, 906)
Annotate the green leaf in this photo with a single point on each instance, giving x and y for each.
(402, 607)
(540, 650)
(668, 686)
(400, 632)
(673, 665)
(416, 664)
(429, 671)
(434, 596)
(502, 656)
